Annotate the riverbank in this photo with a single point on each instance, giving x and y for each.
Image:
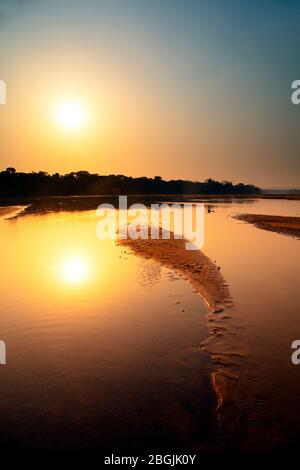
(280, 224)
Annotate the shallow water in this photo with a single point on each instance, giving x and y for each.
(103, 347)
(262, 270)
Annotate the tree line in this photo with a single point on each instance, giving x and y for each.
(37, 184)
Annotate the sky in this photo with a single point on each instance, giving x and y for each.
(187, 89)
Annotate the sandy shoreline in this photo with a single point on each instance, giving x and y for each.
(6, 212)
(194, 266)
(275, 223)
(206, 280)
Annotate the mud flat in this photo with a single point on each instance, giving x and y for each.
(194, 266)
(275, 223)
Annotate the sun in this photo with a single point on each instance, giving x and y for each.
(71, 115)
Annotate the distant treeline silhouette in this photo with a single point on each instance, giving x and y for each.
(36, 184)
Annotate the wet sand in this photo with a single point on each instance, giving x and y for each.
(10, 211)
(206, 279)
(201, 273)
(280, 224)
(246, 418)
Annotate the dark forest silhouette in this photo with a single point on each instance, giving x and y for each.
(17, 184)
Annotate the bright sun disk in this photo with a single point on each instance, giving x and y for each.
(71, 115)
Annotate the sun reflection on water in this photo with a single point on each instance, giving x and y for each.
(74, 270)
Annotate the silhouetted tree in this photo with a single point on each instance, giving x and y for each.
(10, 170)
(14, 184)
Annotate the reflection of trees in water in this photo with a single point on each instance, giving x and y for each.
(150, 274)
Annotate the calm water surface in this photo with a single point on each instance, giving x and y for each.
(262, 269)
(103, 346)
